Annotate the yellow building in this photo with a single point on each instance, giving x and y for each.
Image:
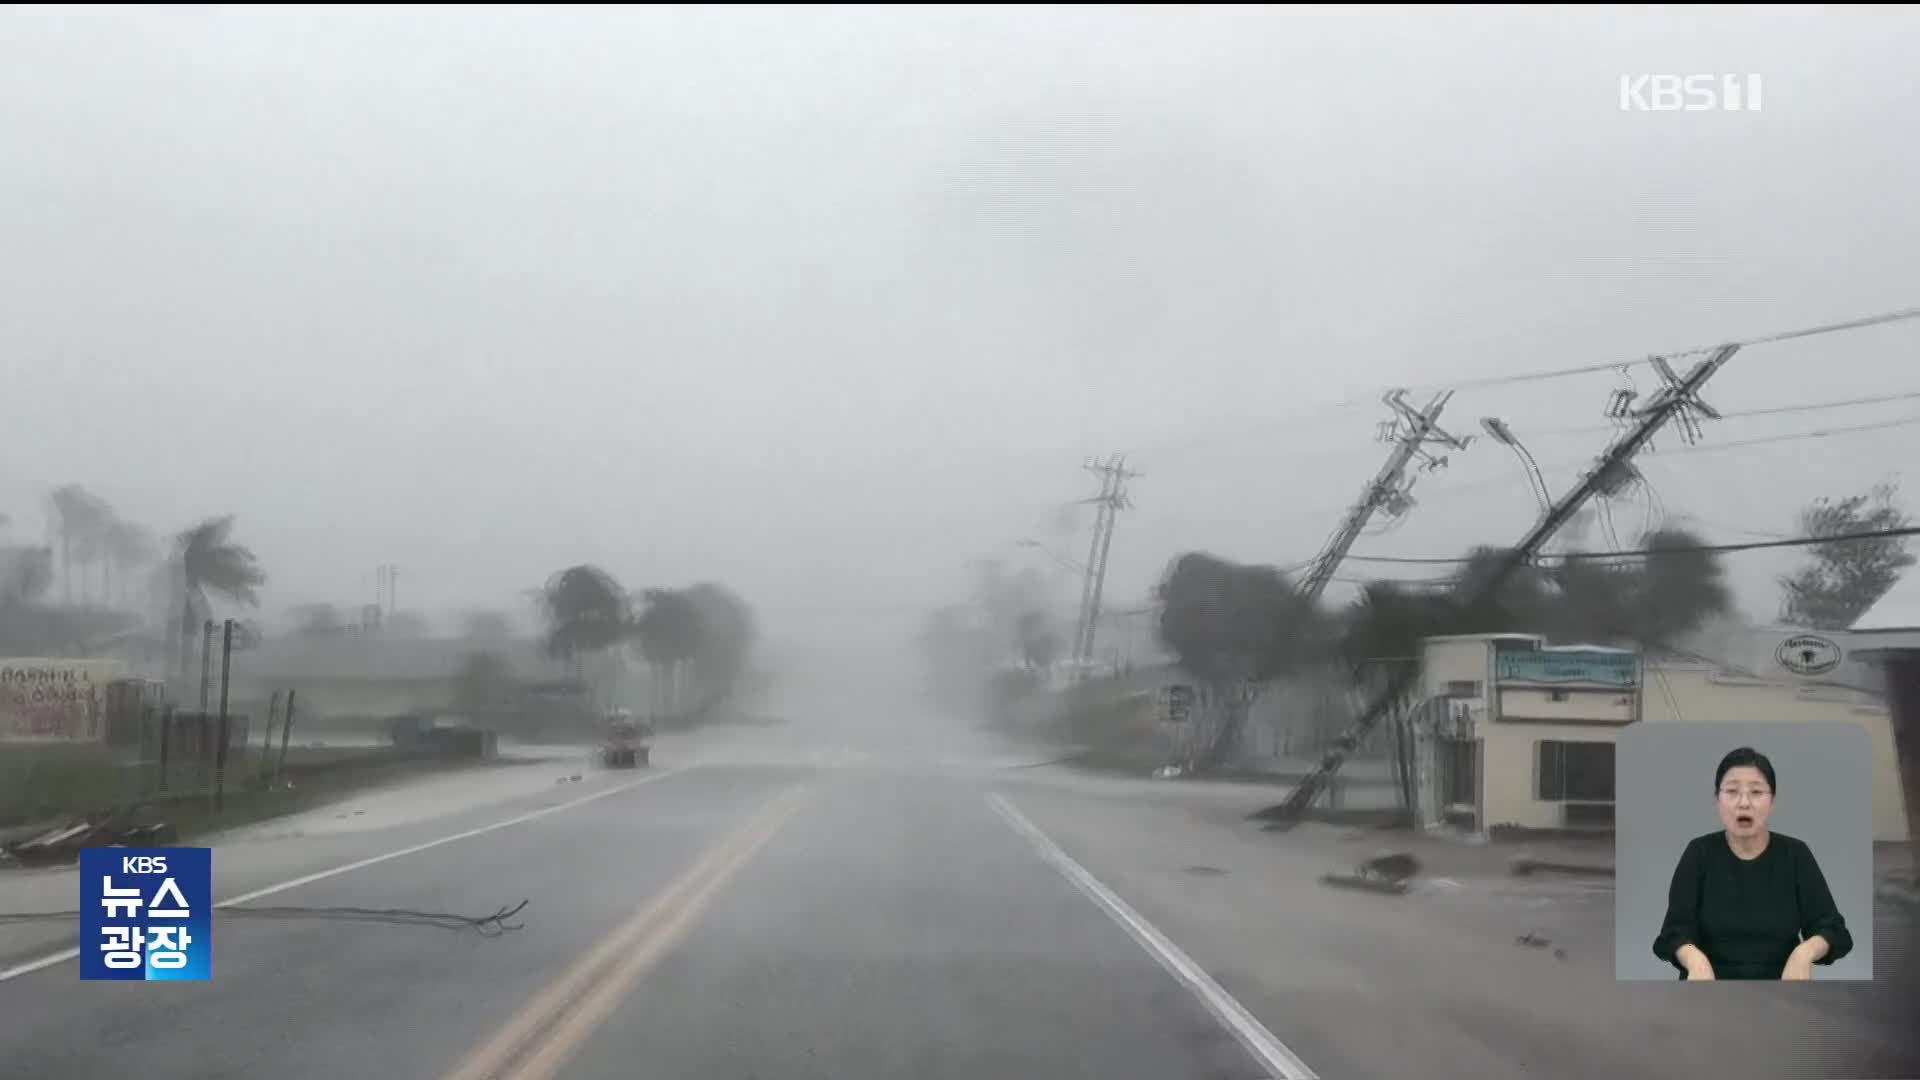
(1522, 732)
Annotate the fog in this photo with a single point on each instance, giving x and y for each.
(824, 304)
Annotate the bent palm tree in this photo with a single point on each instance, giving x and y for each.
(82, 518)
(208, 561)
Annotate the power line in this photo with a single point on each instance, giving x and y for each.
(1755, 545)
(1881, 319)
(1797, 436)
(1705, 448)
(1317, 415)
(1777, 410)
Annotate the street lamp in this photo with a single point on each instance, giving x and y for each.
(1504, 435)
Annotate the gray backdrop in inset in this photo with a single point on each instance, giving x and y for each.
(1665, 797)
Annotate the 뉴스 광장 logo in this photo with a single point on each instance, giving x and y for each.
(146, 913)
(1808, 654)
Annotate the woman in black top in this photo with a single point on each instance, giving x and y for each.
(1746, 903)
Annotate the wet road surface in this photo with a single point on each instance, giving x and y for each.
(768, 903)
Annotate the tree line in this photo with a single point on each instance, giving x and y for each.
(699, 639)
(95, 557)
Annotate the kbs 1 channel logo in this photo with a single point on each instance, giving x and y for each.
(146, 914)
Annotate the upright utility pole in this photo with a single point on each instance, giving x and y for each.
(387, 588)
(1676, 402)
(1093, 557)
(1411, 431)
(1112, 499)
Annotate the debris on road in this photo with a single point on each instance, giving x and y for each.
(1392, 874)
(1366, 883)
(1524, 865)
(62, 843)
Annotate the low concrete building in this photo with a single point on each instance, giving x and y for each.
(1888, 638)
(1522, 732)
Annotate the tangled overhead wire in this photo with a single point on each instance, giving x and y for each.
(492, 925)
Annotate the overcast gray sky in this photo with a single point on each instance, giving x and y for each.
(824, 303)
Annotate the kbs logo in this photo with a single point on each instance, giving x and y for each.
(146, 913)
(1689, 93)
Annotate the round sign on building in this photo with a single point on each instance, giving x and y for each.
(1809, 654)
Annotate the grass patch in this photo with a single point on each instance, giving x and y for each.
(41, 781)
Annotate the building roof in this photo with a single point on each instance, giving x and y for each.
(1585, 648)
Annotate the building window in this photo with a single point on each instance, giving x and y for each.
(1463, 688)
(1573, 771)
(1558, 695)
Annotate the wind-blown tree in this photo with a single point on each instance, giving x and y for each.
(81, 519)
(207, 562)
(668, 629)
(1233, 627)
(1644, 602)
(1039, 641)
(1383, 628)
(26, 573)
(1842, 580)
(1679, 588)
(587, 611)
(726, 634)
(699, 638)
(667, 634)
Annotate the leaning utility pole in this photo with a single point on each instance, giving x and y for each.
(1410, 431)
(1676, 402)
(1112, 499)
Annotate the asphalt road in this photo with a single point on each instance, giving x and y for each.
(840, 902)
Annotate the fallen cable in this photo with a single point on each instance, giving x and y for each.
(488, 925)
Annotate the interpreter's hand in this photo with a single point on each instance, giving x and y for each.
(1799, 967)
(1693, 961)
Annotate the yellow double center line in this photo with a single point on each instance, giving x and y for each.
(543, 1035)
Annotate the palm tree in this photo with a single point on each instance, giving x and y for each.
(587, 611)
(206, 561)
(82, 516)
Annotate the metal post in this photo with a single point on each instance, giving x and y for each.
(220, 752)
(166, 742)
(266, 733)
(206, 661)
(286, 732)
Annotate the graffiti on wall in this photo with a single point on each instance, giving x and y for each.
(54, 699)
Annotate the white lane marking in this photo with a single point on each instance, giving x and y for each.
(1280, 1062)
(64, 955)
